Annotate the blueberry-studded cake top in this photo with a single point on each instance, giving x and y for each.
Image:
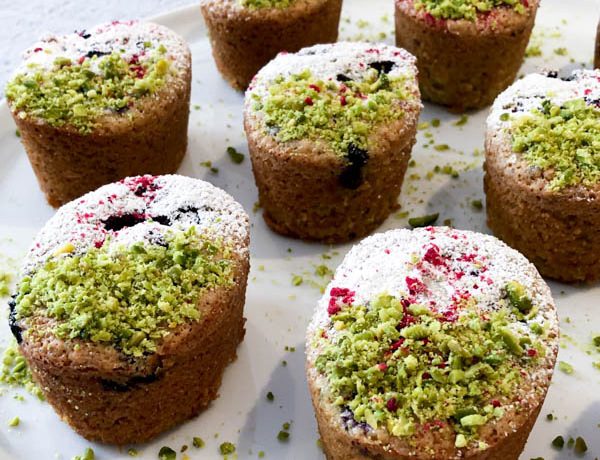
(125, 264)
(335, 94)
(76, 78)
(141, 209)
(554, 125)
(466, 9)
(432, 330)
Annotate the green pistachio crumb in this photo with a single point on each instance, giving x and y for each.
(550, 417)
(477, 204)
(259, 4)
(14, 422)
(322, 271)
(423, 221)
(561, 51)
(533, 51)
(301, 106)
(596, 341)
(395, 380)
(283, 436)
(210, 167)
(505, 117)
(558, 442)
(88, 454)
(15, 371)
(17, 133)
(124, 296)
(465, 9)
(564, 140)
(132, 452)
(76, 94)
(517, 296)
(227, 448)
(436, 122)
(580, 446)
(235, 156)
(566, 367)
(297, 280)
(441, 147)
(270, 396)
(166, 453)
(462, 120)
(198, 442)
(261, 454)
(570, 442)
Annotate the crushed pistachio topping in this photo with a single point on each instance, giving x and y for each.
(340, 113)
(128, 297)
(257, 4)
(401, 367)
(564, 139)
(465, 9)
(78, 93)
(15, 371)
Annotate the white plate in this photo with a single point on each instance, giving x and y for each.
(278, 312)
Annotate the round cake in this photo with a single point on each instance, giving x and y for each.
(431, 344)
(130, 305)
(330, 130)
(98, 105)
(246, 34)
(468, 51)
(542, 172)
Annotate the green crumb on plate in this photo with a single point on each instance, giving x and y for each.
(283, 436)
(423, 221)
(166, 453)
(477, 204)
(14, 422)
(566, 367)
(198, 442)
(235, 156)
(88, 454)
(441, 147)
(297, 280)
(558, 442)
(227, 448)
(132, 452)
(270, 396)
(580, 446)
(261, 454)
(462, 120)
(436, 122)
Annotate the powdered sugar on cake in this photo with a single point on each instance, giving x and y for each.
(529, 93)
(131, 39)
(327, 62)
(141, 209)
(437, 267)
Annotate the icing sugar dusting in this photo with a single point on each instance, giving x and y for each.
(437, 267)
(132, 39)
(326, 62)
(529, 92)
(139, 209)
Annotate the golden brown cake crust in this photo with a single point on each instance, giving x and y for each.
(299, 186)
(464, 64)
(555, 230)
(244, 40)
(597, 54)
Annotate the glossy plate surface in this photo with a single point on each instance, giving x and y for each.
(277, 311)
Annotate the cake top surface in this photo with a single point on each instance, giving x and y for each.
(78, 77)
(554, 125)
(129, 262)
(419, 315)
(137, 210)
(466, 9)
(334, 94)
(266, 3)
